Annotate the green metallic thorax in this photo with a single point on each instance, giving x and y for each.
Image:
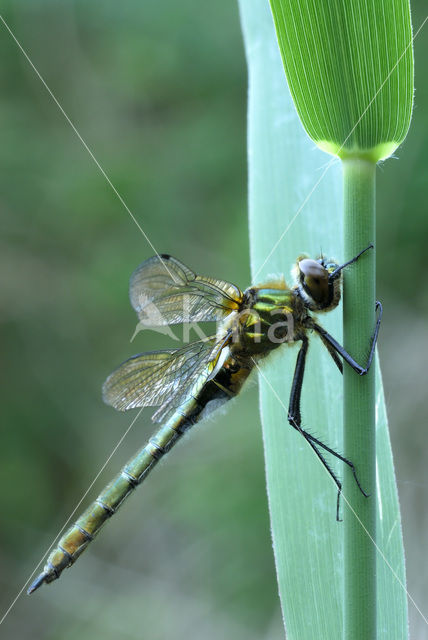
(270, 318)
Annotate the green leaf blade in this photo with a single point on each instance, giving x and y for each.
(349, 66)
(284, 167)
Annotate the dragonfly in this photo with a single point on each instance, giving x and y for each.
(188, 383)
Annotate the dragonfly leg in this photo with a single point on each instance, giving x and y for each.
(337, 361)
(294, 418)
(332, 344)
(351, 261)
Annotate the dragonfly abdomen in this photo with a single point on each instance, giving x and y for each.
(224, 386)
(84, 530)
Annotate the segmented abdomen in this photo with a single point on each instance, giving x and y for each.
(225, 385)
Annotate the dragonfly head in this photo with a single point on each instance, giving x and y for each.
(318, 283)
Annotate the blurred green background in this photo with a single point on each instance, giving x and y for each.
(158, 91)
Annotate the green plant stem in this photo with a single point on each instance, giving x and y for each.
(359, 402)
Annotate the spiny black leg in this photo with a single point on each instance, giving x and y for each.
(337, 361)
(323, 460)
(296, 387)
(327, 338)
(379, 311)
(342, 458)
(294, 418)
(333, 275)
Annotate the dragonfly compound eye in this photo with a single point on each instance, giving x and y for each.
(314, 279)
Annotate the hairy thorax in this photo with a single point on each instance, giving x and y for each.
(267, 318)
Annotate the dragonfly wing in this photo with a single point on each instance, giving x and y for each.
(160, 378)
(164, 291)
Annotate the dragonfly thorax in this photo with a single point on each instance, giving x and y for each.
(267, 318)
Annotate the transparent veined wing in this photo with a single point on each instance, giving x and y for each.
(164, 291)
(163, 378)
